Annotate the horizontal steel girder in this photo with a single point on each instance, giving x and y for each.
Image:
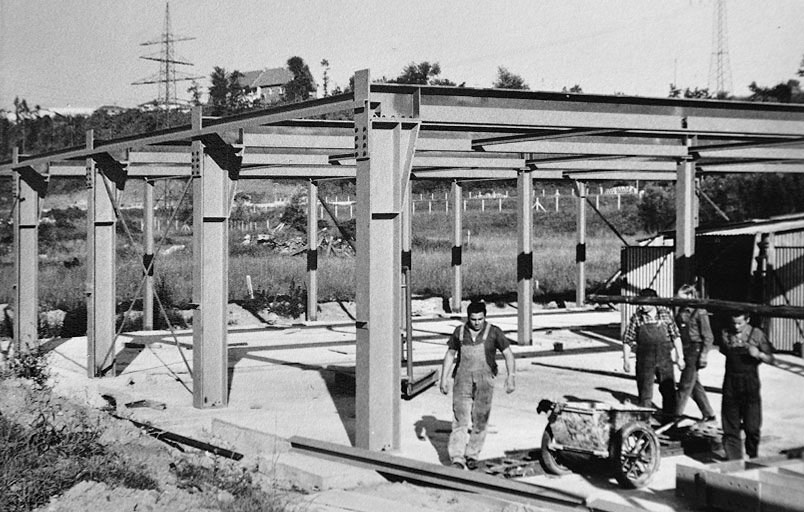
(509, 126)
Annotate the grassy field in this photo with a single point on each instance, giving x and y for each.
(489, 261)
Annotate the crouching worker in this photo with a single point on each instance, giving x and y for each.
(472, 349)
(652, 333)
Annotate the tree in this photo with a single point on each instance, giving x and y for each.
(302, 85)
(657, 207)
(676, 92)
(195, 93)
(226, 94)
(575, 89)
(789, 92)
(423, 73)
(508, 80)
(325, 65)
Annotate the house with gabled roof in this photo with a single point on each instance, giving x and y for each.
(267, 85)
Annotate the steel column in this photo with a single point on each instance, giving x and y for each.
(580, 250)
(685, 223)
(26, 262)
(524, 260)
(457, 246)
(312, 251)
(148, 242)
(384, 155)
(211, 276)
(101, 273)
(407, 285)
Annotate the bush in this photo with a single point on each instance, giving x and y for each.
(31, 366)
(55, 452)
(245, 494)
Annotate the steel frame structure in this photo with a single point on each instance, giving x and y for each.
(398, 133)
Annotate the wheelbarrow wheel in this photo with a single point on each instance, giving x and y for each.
(551, 458)
(635, 455)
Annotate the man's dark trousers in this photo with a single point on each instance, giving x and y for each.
(741, 410)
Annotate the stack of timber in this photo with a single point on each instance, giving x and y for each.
(760, 485)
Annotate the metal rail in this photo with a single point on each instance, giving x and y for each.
(709, 304)
(442, 476)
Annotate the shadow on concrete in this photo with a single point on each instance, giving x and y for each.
(621, 396)
(339, 382)
(592, 371)
(601, 333)
(437, 432)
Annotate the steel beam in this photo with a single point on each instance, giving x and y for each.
(101, 268)
(580, 250)
(617, 164)
(524, 260)
(592, 149)
(536, 496)
(620, 175)
(312, 251)
(210, 277)
(708, 304)
(475, 174)
(148, 243)
(457, 246)
(383, 149)
(28, 190)
(685, 223)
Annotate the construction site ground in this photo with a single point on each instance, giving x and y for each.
(296, 380)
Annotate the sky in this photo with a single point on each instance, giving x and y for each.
(85, 53)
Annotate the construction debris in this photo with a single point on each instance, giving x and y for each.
(282, 242)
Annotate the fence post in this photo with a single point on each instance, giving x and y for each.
(557, 194)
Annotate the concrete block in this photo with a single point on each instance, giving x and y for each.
(691, 484)
(249, 441)
(316, 474)
(344, 500)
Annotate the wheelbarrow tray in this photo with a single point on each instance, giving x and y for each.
(590, 427)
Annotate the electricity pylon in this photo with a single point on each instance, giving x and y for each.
(719, 82)
(167, 76)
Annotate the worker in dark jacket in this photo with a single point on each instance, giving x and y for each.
(696, 340)
(653, 335)
(745, 347)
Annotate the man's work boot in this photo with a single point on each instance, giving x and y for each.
(471, 463)
(458, 464)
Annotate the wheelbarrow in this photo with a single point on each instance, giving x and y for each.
(619, 433)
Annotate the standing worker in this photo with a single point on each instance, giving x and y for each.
(472, 348)
(696, 340)
(745, 347)
(653, 335)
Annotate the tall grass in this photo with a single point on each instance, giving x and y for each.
(489, 262)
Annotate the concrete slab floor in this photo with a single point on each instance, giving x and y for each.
(294, 381)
